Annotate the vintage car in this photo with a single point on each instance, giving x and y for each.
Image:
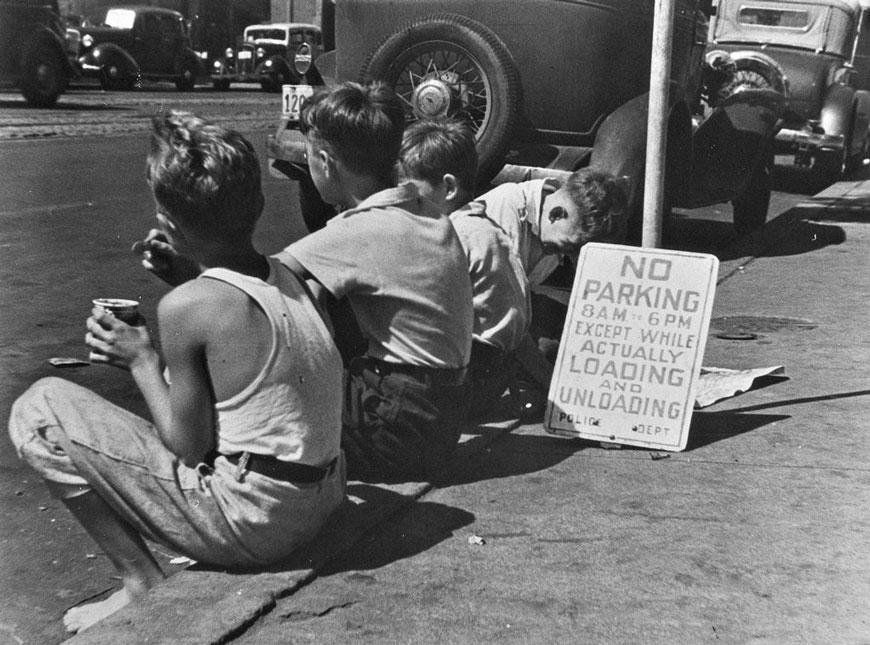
(37, 51)
(578, 96)
(265, 55)
(822, 50)
(127, 44)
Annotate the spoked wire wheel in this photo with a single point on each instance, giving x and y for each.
(448, 66)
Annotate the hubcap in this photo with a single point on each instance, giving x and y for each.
(432, 99)
(44, 74)
(437, 79)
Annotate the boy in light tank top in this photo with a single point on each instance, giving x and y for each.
(242, 463)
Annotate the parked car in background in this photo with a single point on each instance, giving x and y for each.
(36, 50)
(822, 50)
(265, 55)
(127, 44)
(557, 86)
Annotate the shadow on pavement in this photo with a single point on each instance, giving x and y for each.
(710, 427)
(417, 528)
(361, 520)
(517, 454)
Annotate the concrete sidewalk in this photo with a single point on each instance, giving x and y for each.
(757, 532)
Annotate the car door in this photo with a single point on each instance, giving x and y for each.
(146, 48)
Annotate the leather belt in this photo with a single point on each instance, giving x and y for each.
(288, 471)
(434, 375)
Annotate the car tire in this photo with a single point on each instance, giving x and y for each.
(221, 85)
(750, 208)
(43, 75)
(856, 161)
(478, 80)
(829, 165)
(115, 76)
(277, 79)
(753, 73)
(186, 80)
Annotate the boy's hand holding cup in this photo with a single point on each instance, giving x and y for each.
(124, 310)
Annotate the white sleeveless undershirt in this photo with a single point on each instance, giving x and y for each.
(292, 409)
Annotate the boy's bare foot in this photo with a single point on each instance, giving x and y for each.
(83, 616)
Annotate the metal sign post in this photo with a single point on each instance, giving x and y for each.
(657, 123)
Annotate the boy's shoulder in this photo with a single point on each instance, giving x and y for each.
(518, 190)
(196, 302)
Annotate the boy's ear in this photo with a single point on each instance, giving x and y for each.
(451, 186)
(557, 213)
(166, 223)
(326, 161)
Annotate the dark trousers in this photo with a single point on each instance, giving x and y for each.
(548, 321)
(399, 421)
(491, 371)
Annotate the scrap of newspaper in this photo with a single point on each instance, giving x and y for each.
(717, 383)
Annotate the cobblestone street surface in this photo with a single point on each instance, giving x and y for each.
(91, 112)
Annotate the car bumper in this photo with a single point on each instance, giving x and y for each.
(806, 142)
(286, 152)
(252, 77)
(88, 67)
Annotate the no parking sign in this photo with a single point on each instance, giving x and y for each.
(632, 346)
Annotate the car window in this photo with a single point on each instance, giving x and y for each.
(296, 38)
(120, 18)
(265, 34)
(170, 25)
(783, 18)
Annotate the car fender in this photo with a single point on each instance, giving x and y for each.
(275, 62)
(323, 72)
(189, 60)
(836, 116)
(45, 37)
(729, 145)
(620, 149)
(107, 51)
(862, 117)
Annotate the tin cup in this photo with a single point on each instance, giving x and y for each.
(124, 310)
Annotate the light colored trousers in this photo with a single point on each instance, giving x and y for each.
(77, 441)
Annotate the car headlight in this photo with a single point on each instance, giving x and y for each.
(302, 59)
(268, 63)
(260, 52)
(87, 40)
(229, 52)
(217, 64)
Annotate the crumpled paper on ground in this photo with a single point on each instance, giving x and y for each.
(717, 383)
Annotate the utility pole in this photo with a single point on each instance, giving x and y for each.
(657, 123)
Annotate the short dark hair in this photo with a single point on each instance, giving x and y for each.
(204, 175)
(432, 148)
(362, 125)
(601, 201)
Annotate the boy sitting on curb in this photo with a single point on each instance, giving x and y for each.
(242, 464)
(400, 264)
(440, 157)
(546, 221)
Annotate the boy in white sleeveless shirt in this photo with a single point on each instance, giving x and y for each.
(242, 463)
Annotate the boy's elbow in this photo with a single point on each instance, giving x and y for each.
(191, 459)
